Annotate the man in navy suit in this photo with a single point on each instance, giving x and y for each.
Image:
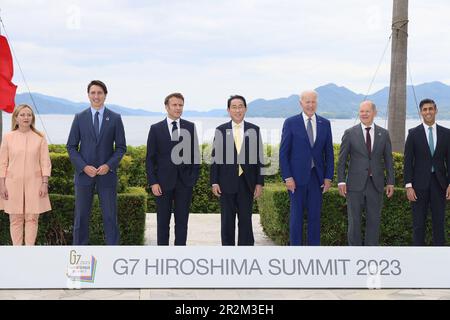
(173, 164)
(307, 167)
(236, 176)
(96, 145)
(427, 174)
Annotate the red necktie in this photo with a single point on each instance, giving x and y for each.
(369, 146)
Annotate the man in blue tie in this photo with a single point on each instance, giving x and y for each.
(427, 174)
(307, 167)
(96, 145)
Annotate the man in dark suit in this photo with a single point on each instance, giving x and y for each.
(427, 174)
(96, 145)
(307, 167)
(366, 150)
(173, 164)
(236, 176)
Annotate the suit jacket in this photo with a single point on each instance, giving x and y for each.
(160, 166)
(225, 158)
(354, 146)
(24, 160)
(84, 149)
(296, 151)
(418, 160)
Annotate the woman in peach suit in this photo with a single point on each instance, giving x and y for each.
(24, 171)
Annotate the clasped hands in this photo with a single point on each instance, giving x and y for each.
(93, 171)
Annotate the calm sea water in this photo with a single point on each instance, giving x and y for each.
(57, 127)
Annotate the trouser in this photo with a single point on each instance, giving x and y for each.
(434, 198)
(83, 205)
(308, 197)
(240, 203)
(179, 199)
(370, 200)
(20, 223)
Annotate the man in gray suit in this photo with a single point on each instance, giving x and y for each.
(363, 148)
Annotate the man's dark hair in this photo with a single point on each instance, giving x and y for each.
(427, 101)
(236, 97)
(97, 83)
(173, 95)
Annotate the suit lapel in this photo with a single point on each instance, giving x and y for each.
(439, 139)
(377, 137)
(423, 137)
(182, 126)
(105, 123)
(88, 119)
(165, 131)
(303, 128)
(230, 127)
(360, 137)
(319, 133)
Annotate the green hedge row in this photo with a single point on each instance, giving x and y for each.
(396, 221)
(132, 173)
(56, 226)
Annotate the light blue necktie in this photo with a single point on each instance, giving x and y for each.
(431, 143)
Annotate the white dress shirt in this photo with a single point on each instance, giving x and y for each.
(427, 133)
(170, 125)
(314, 127)
(240, 130)
(425, 127)
(313, 123)
(371, 132)
(372, 140)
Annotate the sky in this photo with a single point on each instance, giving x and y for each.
(211, 49)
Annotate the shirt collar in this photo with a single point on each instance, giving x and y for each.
(363, 126)
(427, 126)
(305, 117)
(234, 124)
(169, 121)
(100, 111)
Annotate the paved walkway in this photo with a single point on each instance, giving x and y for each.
(204, 229)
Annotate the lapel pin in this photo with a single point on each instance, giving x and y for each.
(107, 118)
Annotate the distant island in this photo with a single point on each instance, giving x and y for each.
(334, 102)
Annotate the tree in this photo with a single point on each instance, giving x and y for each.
(397, 91)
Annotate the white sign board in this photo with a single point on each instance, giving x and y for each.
(224, 267)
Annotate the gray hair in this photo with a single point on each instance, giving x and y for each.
(308, 92)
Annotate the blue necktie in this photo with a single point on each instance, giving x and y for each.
(431, 143)
(175, 136)
(97, 125)
(309, 131)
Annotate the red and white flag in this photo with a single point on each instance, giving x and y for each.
(7, 88)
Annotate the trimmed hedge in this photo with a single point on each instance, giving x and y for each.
(56, 227)
(395, 228)
(132, 173)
